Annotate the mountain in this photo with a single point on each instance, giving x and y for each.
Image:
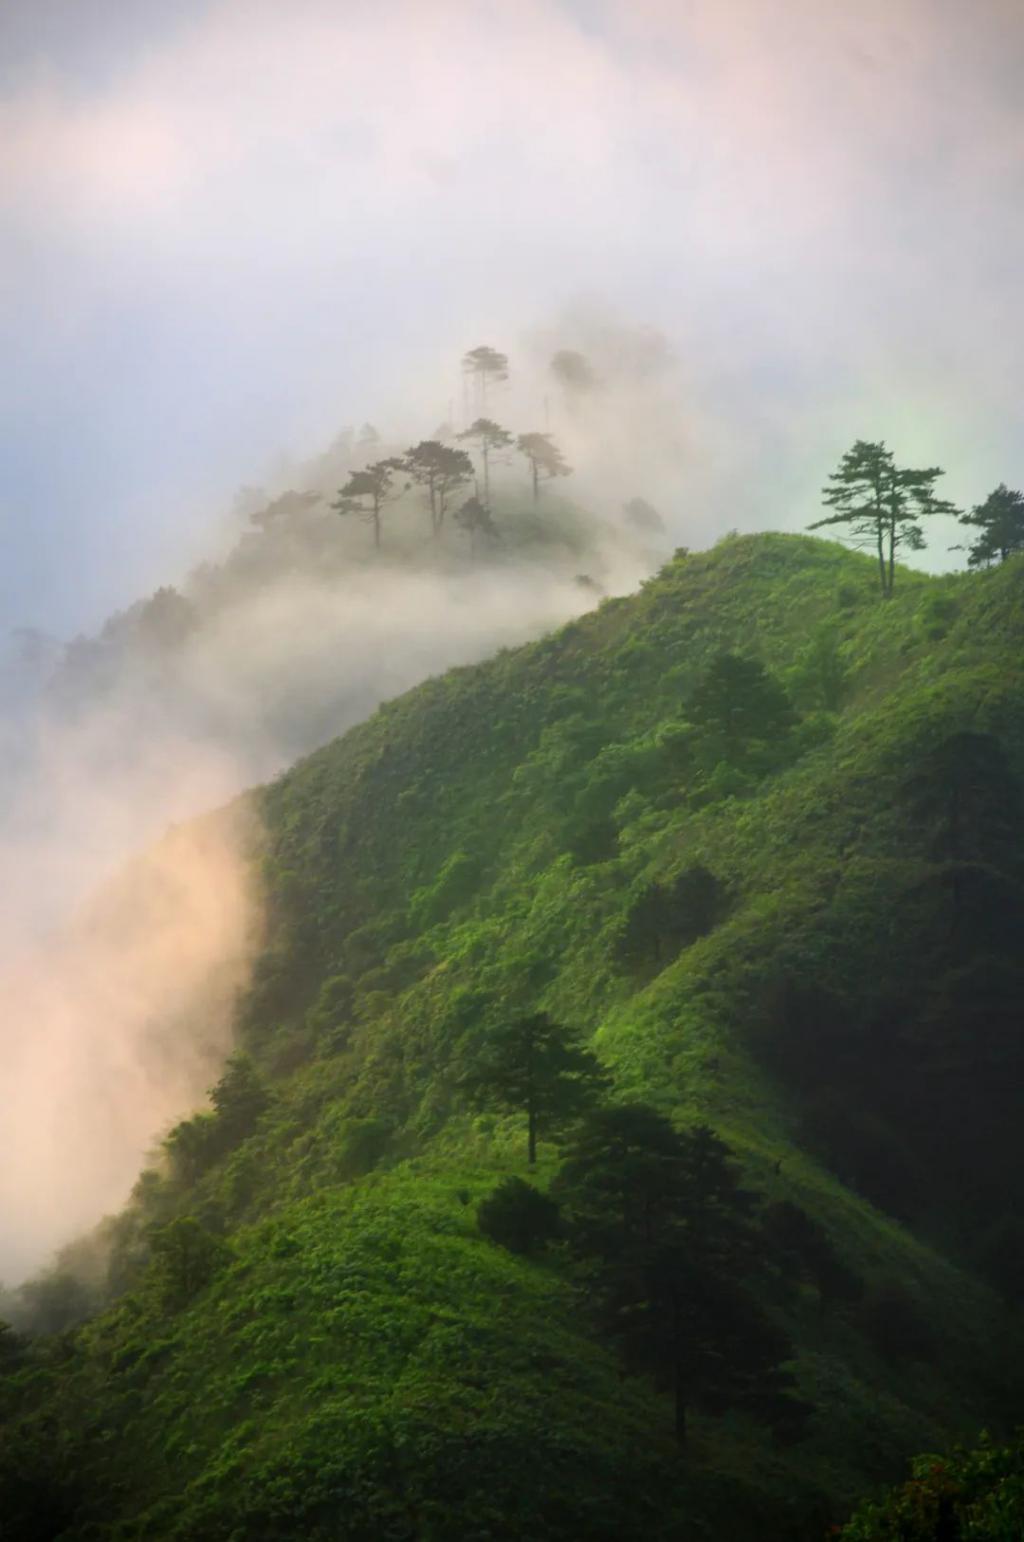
(755, 837)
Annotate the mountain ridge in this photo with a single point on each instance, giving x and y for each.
(537, 832)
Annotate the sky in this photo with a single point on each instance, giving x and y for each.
(227, 227)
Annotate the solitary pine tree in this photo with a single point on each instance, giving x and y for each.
(367, 492)
(490, 439)
(881, 503)
(676, 1252)
(546, 459)
(482, 365)
(441, 470)
(534, 1066)
(474, 518)
(1000, 523)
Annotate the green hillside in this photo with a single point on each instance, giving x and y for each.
(756, 837)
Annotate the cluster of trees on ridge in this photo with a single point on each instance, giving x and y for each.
(882, 504)
(443, 471)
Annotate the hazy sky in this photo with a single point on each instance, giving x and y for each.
(229, 226)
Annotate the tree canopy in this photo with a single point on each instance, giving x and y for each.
(545, 458)
(882, 504)
(441, 469)
(999, 522)
(662, 1214)
(533, 1066)
(490, 438)
(367, 492)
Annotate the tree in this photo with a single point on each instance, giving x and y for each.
(483, 364)
(186, 1257)
(284, 512)
(489, 438)
(367, 492)
(441, 470)
(534, 1066)
(518, 1217)
(669, 1230)
(475, 519)
(882, 503)
(643, 516)
(546, 459)
(1000, 519)
(738, 700)
(573, 371)
(240, 1099)
(664, 918)
(806, 1251)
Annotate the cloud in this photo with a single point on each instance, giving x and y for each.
(278, 217)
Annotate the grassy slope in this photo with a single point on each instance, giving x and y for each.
(475, 846)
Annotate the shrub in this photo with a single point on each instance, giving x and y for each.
(518, 1217)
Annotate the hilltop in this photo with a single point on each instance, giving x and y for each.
(756, 837)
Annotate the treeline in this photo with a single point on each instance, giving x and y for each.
(444, 472)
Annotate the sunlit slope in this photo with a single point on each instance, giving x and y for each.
(782, 900)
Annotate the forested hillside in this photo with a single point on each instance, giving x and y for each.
(715, 895)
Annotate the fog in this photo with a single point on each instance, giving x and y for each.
(118, 1008)
(229, 228)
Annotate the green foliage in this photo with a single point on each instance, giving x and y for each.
(1000, 525)
(532, 1066)
(738, 701)
(968, 1496)
(676, 1259)
(518, 1216)
(843, 1011)
(664, 918)
(186, 1258)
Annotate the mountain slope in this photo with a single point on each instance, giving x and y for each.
(755, 834)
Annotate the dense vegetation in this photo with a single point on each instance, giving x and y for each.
(711, 903)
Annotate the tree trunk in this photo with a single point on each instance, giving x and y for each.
(532, 1135)
(376, 524)
(487, 480)
(536, 481)
(881, 556)
(892, 553)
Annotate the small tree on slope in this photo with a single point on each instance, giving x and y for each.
(1000, 523)
(534, 1066)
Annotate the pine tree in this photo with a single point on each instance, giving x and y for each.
(490, 438)
(1000, 520)
(670, 1231)
(882, 504)
(441, 470)
(534, 1066)
(367, 492)
(485, 364)
(546, 459)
